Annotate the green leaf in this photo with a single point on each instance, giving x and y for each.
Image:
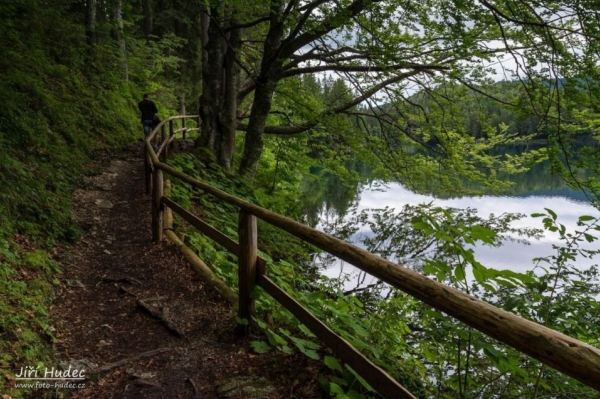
(589, 237)
(429, 269)
(260, 323)
(363, 382)
(505, 283)
(459, 272)
(354, 395)
(304, 342)
(332, 363)
(479, 274)
(512, 302)
(421, 225)
(483, 234)
(275, 339)
(335, 389)
(551, 212)
(260, 346)
(586, 218)
(306, 331)
(312, 354)
(492, 354)
(340, 381)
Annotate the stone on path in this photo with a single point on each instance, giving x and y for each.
(248, 387)
(102, 203)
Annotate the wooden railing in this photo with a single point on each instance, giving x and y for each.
(570, 356)
(162, 151)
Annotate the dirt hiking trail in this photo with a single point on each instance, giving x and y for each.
(99, 321)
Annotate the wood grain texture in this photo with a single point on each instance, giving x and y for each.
(223, 240)
(247, 266)
(157, 207)
(205, 273)
(381, 381)
(160, 125)
(147, 172)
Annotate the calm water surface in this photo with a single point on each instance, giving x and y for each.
(534, 191)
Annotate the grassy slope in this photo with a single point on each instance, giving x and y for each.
(59, 104)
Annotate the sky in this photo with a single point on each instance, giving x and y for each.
(513, 256)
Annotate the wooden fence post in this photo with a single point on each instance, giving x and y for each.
(246, 267)
(163, 137)
(183, 125)
(147, 170)
(157, 206)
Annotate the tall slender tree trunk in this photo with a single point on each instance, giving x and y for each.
(90, 21)
(212, 61)
(182, 110)
(148, 17)
(231, 72)
(118, 15)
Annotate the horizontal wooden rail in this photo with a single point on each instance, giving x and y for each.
(163, 145)
(186, 129)
(158, 127)
(570, 356)
(221, 239)
(250, 268)
(374, 375)
(197, 264)
(202, 269)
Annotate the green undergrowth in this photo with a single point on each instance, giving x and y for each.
(61, 106)
(419, 346)
(27, 281)
(289, 265)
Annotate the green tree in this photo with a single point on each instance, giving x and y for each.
(385, 50)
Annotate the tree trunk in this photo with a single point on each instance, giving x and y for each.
(211, 99)
(255, 133)
(220, 81)
(266, 83)
(182, 104)
(231, 73)
(118, 15)
(148, 18)
(90, 22)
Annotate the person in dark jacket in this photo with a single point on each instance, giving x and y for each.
(148, 110)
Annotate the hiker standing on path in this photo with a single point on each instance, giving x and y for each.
(148, 110)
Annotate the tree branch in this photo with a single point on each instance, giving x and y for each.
(248, 24)
(542, 24)
(290, 45)
(360, 289)
(289, 130)
(362, 68)
(309, 9)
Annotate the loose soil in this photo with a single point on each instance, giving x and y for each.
(98, 319)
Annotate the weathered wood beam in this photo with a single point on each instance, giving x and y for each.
(157, 207)
(381, 381)
(205, 272)
(206, 229)
(247, 267)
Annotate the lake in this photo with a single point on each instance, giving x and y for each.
(532, 192)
